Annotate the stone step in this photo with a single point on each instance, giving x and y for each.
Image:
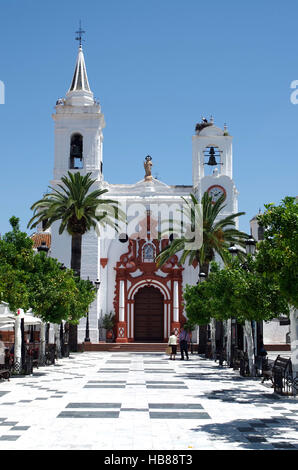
(128, 347)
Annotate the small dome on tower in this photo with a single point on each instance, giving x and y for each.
(211, 131)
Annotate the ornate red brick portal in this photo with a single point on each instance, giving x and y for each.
(137, 270)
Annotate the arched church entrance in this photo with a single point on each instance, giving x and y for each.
(149, 315)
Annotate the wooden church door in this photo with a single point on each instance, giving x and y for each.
(149, 315)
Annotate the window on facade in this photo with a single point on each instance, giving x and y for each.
(76, 152)
(148, 253)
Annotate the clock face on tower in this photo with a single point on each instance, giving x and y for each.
(216, 192)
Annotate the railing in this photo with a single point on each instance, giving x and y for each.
(32, 357)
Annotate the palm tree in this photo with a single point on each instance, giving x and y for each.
(217, 235)
(78, 210)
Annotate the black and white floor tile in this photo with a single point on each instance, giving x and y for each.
(143, 401)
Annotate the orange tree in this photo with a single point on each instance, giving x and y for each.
(235, 292)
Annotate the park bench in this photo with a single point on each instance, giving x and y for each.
(221, 357)
(239, 360)
(282, 371)
(279, 372)
(236, 357)
(208, 350)
(28, 366)
(50, 354)
(5, 369)
(4, 372)
(35, 358)
(244, 364)
(267, 368)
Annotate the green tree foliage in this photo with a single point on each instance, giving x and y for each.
(56, 294)
(77, 209)
(278, 253)
(234, 292)
(16, 262)
(218, 233)
(30, 280)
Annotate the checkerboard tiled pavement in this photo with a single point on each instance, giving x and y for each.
(106, 400)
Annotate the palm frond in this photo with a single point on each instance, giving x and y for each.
(76, 207)
(218, 233)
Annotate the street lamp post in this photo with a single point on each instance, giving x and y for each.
(233, 250)
(42, 339)
(257, 327)
(250, 246)
(87, 338)
(61, 332)
(62, 346)
(204, 330)
(43, 247)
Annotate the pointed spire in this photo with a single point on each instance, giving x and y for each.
(80, 79)
(79, 92)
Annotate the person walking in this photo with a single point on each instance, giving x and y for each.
(173, 344)
(184, 340)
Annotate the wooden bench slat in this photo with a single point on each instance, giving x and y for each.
(5, 373)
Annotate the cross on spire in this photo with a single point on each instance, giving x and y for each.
(79, 33)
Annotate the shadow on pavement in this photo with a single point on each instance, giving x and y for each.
(264, 434)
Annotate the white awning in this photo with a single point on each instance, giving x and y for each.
(6, 316)
(6, 325)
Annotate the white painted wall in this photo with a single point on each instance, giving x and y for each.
(274, 333)
(79, 113)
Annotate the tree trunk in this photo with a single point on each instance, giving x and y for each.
(42, 349)
(17, 345)
(57, 339)
(229, 340)
(76, 253)
(250, 347)
(62, 339)
(213, 338)
(294, 343)
(202, 339)
(75, 264)
(23, 347)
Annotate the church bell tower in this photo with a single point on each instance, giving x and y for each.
(78, 127)
(212, 164)
(78, 148)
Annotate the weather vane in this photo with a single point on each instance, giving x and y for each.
(79, 33)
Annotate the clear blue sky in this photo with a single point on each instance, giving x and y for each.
(156, 68)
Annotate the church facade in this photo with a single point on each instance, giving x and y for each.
(147, 299)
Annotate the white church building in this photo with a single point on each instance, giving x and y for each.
(147, 300)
